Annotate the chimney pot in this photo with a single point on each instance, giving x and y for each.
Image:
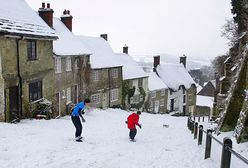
(46, 15)
(125, 49)
(67, 20)
(43, 5)
(48, 5)
(68, 12)
(183, 60)
(156, 61)
(64, 12)
(104, 36)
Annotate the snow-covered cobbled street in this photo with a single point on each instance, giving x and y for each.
(50, 143)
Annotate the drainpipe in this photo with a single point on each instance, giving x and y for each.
(19, 74)
(109, 86)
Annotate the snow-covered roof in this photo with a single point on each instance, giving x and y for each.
(174, 75)
(16, 17)
(204, 101)
(155, 83)
(67, 43)
(102, 54)
(131, 69)
(213, 83)
(198, 88)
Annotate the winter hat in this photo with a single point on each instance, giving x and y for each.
(86, 101)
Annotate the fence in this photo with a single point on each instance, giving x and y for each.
(227, 150)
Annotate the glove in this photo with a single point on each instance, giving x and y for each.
(126, 122)
(140, 126)
(83, 120)
(82, 112)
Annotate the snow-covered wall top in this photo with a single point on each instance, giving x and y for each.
(131, 69)
(102, 54)
(174, 75)
(155, 83)
(17, 17)
(67, 43)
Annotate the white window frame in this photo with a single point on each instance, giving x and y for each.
(96, 98)
(58, 65)
(68, 64)
(68, 94)
(114, 94)
(161, 102)
(76, 63)
(162, 92)
(114, 73)
(153, 94)
(95, 75)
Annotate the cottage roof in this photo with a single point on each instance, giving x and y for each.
(17, 18)
(68, 43)
(102, 54)
(155, 83)
(131, 69)
(174, 75)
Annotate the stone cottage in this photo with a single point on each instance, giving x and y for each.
(27, 69)
(182, 88)
(105, 89)
(71, 61)
(135, 82)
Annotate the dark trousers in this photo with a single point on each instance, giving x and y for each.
(77, 123)
(132, 133)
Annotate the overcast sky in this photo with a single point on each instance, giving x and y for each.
(176, 27)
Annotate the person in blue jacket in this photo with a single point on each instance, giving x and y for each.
(75, 117)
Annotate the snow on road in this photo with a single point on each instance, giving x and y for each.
(50, 143)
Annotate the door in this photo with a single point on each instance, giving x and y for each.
(172, 104)
(156, 106)
(57, 105)
(104, 100)
(14, 103)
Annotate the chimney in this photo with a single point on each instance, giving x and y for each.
(156, 62)
(66, 18)
(183, 60)
(104, 36)
(46, 13)
(125, 49)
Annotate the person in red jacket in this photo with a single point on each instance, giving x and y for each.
(132, 121)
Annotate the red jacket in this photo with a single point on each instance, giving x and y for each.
(132, 120)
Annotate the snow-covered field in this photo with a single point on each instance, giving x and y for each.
(50, 144)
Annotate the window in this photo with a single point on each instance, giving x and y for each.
(190, 97)
(161, 102)
(153, 94)
(31, 50)
(114, 95)
(140, 83)
(95, 76)
(162, 92)
(183, 90)
(141, 98)
(171, 92)
(57, 65)
(114, 73)
(68, 64)
(96, 98)
(68, 94)
(35, 91)
(76, 63)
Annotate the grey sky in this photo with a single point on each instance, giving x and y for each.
(176, 27)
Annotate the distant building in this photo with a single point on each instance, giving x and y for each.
(182, 88)
(105, 80)
(135, 82)
(208, 89)
(157, 94)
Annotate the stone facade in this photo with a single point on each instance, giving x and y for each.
(208, 90)
(14, 60)
(105, 88)
(191, 100)
(70, 79)
(158, 101)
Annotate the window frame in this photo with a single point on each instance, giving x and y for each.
(35, 88)
(58, 65)
(96, 97)
(68, 67)
(32, 50)
(114, 95)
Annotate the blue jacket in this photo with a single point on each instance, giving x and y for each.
(77, 109)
